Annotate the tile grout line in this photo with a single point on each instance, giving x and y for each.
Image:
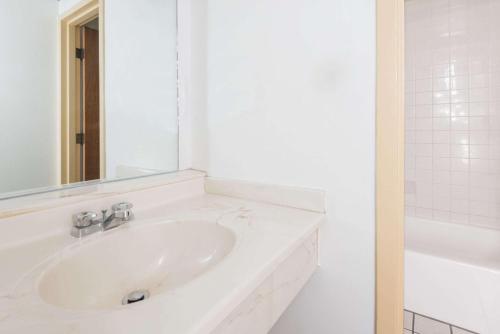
(413, 323)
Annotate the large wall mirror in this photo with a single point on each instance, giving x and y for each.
(88, 91)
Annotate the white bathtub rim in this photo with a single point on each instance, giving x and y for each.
(455, 261)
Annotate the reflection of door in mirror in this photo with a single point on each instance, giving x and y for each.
(89, 81)
(81, 114)
(85, 161)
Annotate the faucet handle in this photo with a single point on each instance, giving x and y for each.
(123, 211)
(84, 219)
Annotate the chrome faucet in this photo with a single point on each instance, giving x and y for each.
(86, 223)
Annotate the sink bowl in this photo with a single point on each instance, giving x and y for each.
(154, 258)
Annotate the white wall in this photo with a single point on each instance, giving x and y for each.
(65, 5)
(283, 92)
(28, 83)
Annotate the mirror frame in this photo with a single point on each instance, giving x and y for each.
(84, 184)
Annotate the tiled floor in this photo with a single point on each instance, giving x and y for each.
(418, 324)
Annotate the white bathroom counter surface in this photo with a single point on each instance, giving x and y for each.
(266, 235)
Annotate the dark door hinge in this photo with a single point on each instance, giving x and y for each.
(80, 53)
(80, 137)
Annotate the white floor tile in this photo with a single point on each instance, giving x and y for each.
(428, 326)
(408, 320)
(460, 331)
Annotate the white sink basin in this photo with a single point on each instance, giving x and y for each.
(156, 258)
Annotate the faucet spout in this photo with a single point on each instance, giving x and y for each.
(108, 220)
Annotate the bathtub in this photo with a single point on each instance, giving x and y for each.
(452, 273)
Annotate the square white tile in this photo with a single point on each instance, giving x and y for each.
(408, 320)
(429, 326)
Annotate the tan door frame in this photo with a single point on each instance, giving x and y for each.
(82, 13)
(390, 167)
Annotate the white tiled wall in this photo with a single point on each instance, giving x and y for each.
(453, 110)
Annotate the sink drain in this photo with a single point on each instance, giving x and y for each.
(135, 296)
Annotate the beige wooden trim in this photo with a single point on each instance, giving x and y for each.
(85, 11)
(390, 167)
(76, 121)
(102, 114)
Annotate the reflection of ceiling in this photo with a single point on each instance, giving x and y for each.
(94, 24)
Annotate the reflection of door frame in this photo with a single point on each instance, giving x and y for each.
(84, 12)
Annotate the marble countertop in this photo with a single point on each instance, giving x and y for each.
(266, 235)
